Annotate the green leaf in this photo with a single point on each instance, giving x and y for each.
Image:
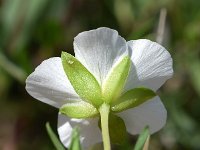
(117, 129)
(82, 80)
(142, 142)
(133, 98)
(75, 140)
(114, 83)
(79, 110)
(58, 145)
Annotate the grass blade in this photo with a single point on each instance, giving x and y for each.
(143, 140)
(54, 138)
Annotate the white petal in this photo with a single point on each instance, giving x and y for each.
(90, 133)
(151, 113)
(49, 84)
(98, 50)
(152, 65)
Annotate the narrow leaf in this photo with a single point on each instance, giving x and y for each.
(79, 110)
(114, 83)
(75, 140)
(133, 98)
(82, 80)
(12, 69)
(143, 140)
(58, 145)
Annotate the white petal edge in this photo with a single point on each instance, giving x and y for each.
(90, 133)
(151, 113)
(98, 50)
(49, 84)
(151, 65)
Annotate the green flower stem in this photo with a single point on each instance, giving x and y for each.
(104, 112)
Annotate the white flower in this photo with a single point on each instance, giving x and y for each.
(98, 50)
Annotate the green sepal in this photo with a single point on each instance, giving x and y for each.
(79, 110)
(115, 81)
(133, 98)
(83, 82)
(117, 129)
(75, 140)
(143, 140)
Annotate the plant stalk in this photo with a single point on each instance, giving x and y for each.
(104, 113)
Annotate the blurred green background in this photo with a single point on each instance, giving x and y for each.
(34, 30)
